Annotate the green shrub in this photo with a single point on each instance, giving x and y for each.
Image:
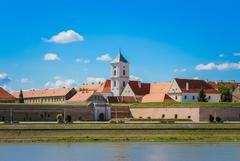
(218, 119)
(121, 121)
(211, 118)
(113, 122)
(59, 118)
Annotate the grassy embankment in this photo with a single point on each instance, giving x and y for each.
(119, 132)
(180, 104)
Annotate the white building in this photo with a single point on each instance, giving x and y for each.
(119, 74)
(187, 90)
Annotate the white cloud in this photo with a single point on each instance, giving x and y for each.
(196, 78)
(51, 57)
(105, 57)
(81, 60)
(59, 83)
(65, 37)
(57, 77)
(236, 54)
(221, 55)
(180, 70)
(3, 75)
(223, 66)
(135, 78)
(95, 80)
(5, 81)
(25, 80)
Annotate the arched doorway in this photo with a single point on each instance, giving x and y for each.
(101, 117)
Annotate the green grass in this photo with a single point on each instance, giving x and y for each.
(180, 104)
(119, 132)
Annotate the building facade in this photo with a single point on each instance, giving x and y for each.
(119, 74)
(47, 96)
(187, 90)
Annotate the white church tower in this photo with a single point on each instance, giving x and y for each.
(119, 74)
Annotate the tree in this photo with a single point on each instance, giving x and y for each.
(202, 96)
(59, 118)
(226, 92)
(21, 99)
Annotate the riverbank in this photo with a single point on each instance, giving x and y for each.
(119, 132)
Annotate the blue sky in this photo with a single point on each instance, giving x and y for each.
(161, 39)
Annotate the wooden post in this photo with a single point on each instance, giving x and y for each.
(11, 116)
(64, 114)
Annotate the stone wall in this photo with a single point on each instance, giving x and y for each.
(166, 113)
(120, 112)
(196, 114)
(225, 113)
(45, 112)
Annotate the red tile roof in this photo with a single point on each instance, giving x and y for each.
(157, 88)
(90, 87)
(139, 88)
(194, 86)
(60, 92)
(160, 97)
(158, 93)
(5, 95)
(105, 88)
(81, 96)
(101, 88)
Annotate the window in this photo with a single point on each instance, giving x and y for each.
(176, 116)
(176, 97)
(163, 116)
(123, 66)
(115, 73)
(185, 97)
(114, 83)
(209, 97)
(124, 72)
(193, 97)
(124, 83)
(189, 117)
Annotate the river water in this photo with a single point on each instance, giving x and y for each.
(120, 152)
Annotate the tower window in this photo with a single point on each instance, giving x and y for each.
(123, 66)
(115, 73)
(124, 83)
(124, 72)
(114, 83)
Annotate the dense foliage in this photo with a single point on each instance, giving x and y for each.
(202, 96)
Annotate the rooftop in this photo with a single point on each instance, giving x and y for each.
(120, 58)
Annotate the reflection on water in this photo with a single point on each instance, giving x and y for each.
(120, 152)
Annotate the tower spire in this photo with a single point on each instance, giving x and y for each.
(119, 74)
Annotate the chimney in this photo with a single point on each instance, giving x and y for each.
(139, 84)
(187, 86)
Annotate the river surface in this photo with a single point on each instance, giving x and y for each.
(120, 152)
